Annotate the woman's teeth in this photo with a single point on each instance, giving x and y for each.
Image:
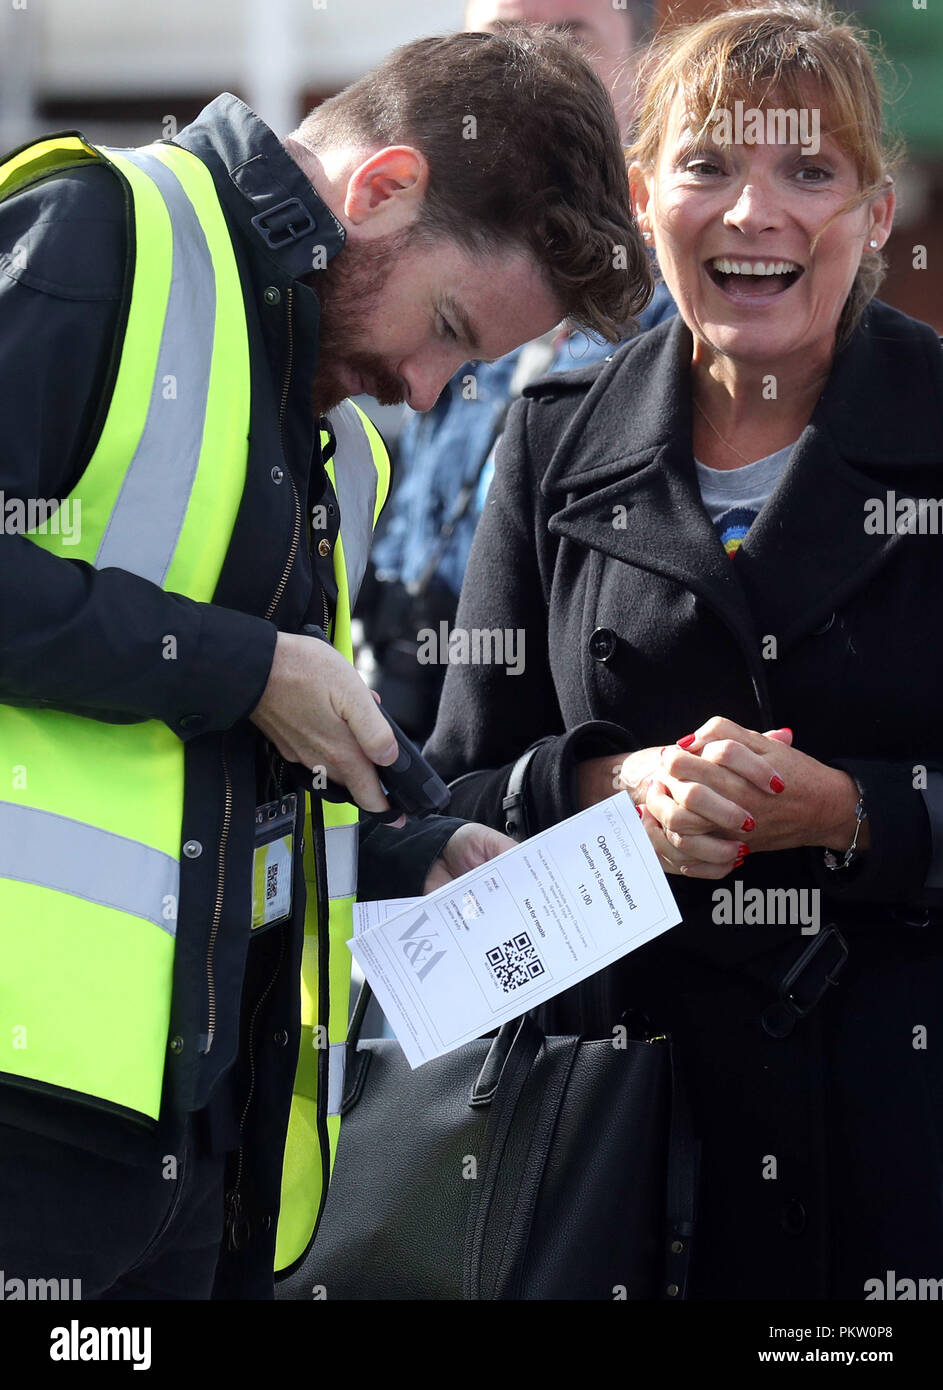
(724, 266)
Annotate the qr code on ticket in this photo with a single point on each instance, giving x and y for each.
(271, 881)
(515, 963)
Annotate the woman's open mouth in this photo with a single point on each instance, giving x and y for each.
(752, 279)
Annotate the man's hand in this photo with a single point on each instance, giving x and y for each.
(317, 711)
(471, 846)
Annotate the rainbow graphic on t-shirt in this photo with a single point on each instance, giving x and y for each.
(733, 526)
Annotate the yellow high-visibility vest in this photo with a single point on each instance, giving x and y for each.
(90, 834)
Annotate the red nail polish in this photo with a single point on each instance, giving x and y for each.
(738, 863)
(639, 809)
(663, 749)
(777, 784)
(743, 851)
(748, 824)
(686, 741)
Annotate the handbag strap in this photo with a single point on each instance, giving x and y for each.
(526, 1041)
(684, 1153)
(513, 804)
(538, 1118)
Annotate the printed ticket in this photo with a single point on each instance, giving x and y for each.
(504, 938)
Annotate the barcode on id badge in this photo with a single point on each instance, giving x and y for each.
(515, 963)
(271, 882)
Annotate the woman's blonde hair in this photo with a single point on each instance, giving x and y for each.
(800, 53)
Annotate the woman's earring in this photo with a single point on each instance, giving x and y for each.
(647, 236)
(873, 244)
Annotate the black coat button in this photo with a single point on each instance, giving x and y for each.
(281, 1038)
(793, 1217)
(602, 643)
(192, 721)
(820, 631)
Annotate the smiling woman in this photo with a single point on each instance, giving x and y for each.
(797, 72)
(712, 625)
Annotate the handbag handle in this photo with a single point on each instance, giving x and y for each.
(493, 1067)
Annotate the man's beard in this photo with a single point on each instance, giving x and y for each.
(349, 289)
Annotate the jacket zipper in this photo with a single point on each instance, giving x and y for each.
(296, 536)
(207, 1040)
(233, 1199)
(319, 853)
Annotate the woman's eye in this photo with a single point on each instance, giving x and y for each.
(815, 172)
(447, 331)
(701, 168)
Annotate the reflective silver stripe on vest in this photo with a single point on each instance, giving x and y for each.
(336, 1069)
(72, 857)
(355, 483)
(341, 842)
(144, 527)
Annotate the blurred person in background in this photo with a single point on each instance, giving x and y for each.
(179, 328)
(445, 456)
(731, 611)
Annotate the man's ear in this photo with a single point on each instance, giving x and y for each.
(385, 192)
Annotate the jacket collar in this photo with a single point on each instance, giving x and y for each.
(640, 401)
(274, 204)
(628, 446)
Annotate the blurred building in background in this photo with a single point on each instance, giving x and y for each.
(126, 74)
(118, 70)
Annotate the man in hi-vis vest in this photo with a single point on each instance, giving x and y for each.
(183, 488)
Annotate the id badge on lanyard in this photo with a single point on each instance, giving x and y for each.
(273, 862)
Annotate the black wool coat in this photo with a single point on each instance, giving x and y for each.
(822, 1149)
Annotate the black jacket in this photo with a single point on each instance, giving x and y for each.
(637, 634)
(88, 641)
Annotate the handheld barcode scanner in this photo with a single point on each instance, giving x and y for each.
(411, 784)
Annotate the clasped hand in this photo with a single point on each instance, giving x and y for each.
(725, 791)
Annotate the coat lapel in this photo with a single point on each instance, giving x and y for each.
(877, 428)
(623, 476)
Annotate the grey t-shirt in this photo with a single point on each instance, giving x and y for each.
(734, 496)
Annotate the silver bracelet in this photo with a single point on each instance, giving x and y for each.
(832, 860)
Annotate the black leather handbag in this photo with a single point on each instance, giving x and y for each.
(523, 1167)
